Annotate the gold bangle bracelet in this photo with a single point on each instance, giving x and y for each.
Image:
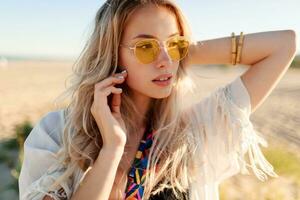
(239, 48)
(233, 49)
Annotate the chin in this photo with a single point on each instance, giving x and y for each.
(161, 96)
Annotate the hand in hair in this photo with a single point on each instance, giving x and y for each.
(109, 119)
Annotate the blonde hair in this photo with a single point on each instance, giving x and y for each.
(99, 59)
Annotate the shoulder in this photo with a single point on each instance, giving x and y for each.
(47, 132)
(40, 166)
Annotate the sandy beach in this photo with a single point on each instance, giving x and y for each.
(28, 89)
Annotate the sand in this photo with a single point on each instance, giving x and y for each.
(28, 89)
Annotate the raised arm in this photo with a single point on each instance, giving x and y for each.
(269, 54)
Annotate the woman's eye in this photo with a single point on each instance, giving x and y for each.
(173, 44)
(145, 46)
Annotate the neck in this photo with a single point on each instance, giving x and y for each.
(142, 103)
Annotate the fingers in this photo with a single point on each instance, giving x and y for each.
(106, 87)
(115, 79)
(100, 100)
(111, 89)
(116, 103)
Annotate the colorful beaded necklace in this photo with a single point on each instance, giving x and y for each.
(137, 173)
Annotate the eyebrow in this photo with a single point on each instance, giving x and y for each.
(151, 36)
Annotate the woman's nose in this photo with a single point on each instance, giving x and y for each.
(164, 55)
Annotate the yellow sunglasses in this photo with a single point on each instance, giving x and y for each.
(147, 50)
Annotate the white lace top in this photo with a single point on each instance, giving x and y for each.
(220, 124)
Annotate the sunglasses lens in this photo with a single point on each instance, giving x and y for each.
(178, 48)
(146, 51)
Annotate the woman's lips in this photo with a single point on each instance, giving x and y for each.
(163, 83)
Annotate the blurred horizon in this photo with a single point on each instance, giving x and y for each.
(58, 30)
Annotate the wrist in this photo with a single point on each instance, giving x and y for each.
(110, 154)
(113, 149)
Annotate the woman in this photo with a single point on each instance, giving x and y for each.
(128, 133)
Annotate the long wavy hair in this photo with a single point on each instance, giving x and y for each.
(170, 154)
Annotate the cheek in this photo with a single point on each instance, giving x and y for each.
(137, 81)
(136, 78)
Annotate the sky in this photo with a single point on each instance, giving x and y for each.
(59, 29)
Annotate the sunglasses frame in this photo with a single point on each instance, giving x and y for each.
(159, 44)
